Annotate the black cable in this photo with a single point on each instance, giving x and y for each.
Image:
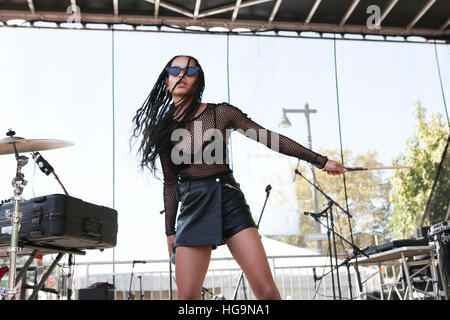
(61, 267)
(71, 268)
(440, 81)
(322, 276)
(340, 142)
(34, 179)
(339, 121)
(342, 159)
(60, 183)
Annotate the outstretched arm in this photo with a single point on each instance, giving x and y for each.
(275, 141)
(278, 142)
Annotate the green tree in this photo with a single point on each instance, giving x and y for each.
(368, 200)
(411, 188)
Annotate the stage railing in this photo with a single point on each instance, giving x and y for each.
(293, 274)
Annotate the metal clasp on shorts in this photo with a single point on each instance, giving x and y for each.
(231, 186)
(184, 197)
(187, 193)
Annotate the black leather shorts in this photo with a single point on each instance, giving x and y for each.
(212, 210)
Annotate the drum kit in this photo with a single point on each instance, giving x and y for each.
(16, 145)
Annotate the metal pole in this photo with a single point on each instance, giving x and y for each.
(307, 111)
(45, 277)
(314, 191)
(15, 218)
(18, 183)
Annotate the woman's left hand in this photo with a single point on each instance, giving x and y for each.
(334, 168)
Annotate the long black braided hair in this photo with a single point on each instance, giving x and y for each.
(154, 120)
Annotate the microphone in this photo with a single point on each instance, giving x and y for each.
(314, 275)
(268, 188)
(314, 215)
(43, 165)
(138, 261)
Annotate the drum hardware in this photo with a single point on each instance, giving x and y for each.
(15, 145)
(46, 168)
(12, 144)
(438, 228)
(18, 184)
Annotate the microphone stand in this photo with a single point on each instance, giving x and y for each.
(211, 294)
(356, 250)
(316, 218)
(170, 277)
(140, 288)
(268, 188)
(132, 295)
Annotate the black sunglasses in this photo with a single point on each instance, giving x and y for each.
(176, 70)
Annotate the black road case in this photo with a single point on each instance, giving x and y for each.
(62, 221)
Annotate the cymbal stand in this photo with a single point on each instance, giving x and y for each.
(18, 183)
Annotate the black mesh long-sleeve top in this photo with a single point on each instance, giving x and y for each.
(195, 153)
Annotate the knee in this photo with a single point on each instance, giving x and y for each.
(189, 294)
(269, 292)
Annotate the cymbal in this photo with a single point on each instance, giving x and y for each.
(30, 145)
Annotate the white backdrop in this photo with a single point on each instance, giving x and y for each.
(58, 84)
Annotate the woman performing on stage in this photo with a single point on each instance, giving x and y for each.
(190, 138)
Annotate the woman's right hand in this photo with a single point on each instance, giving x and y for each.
(170, 243)
(334, 168)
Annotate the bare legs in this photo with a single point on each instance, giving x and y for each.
(247, 249)
(190, 271)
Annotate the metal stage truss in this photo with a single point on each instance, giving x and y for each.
(388, 20)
